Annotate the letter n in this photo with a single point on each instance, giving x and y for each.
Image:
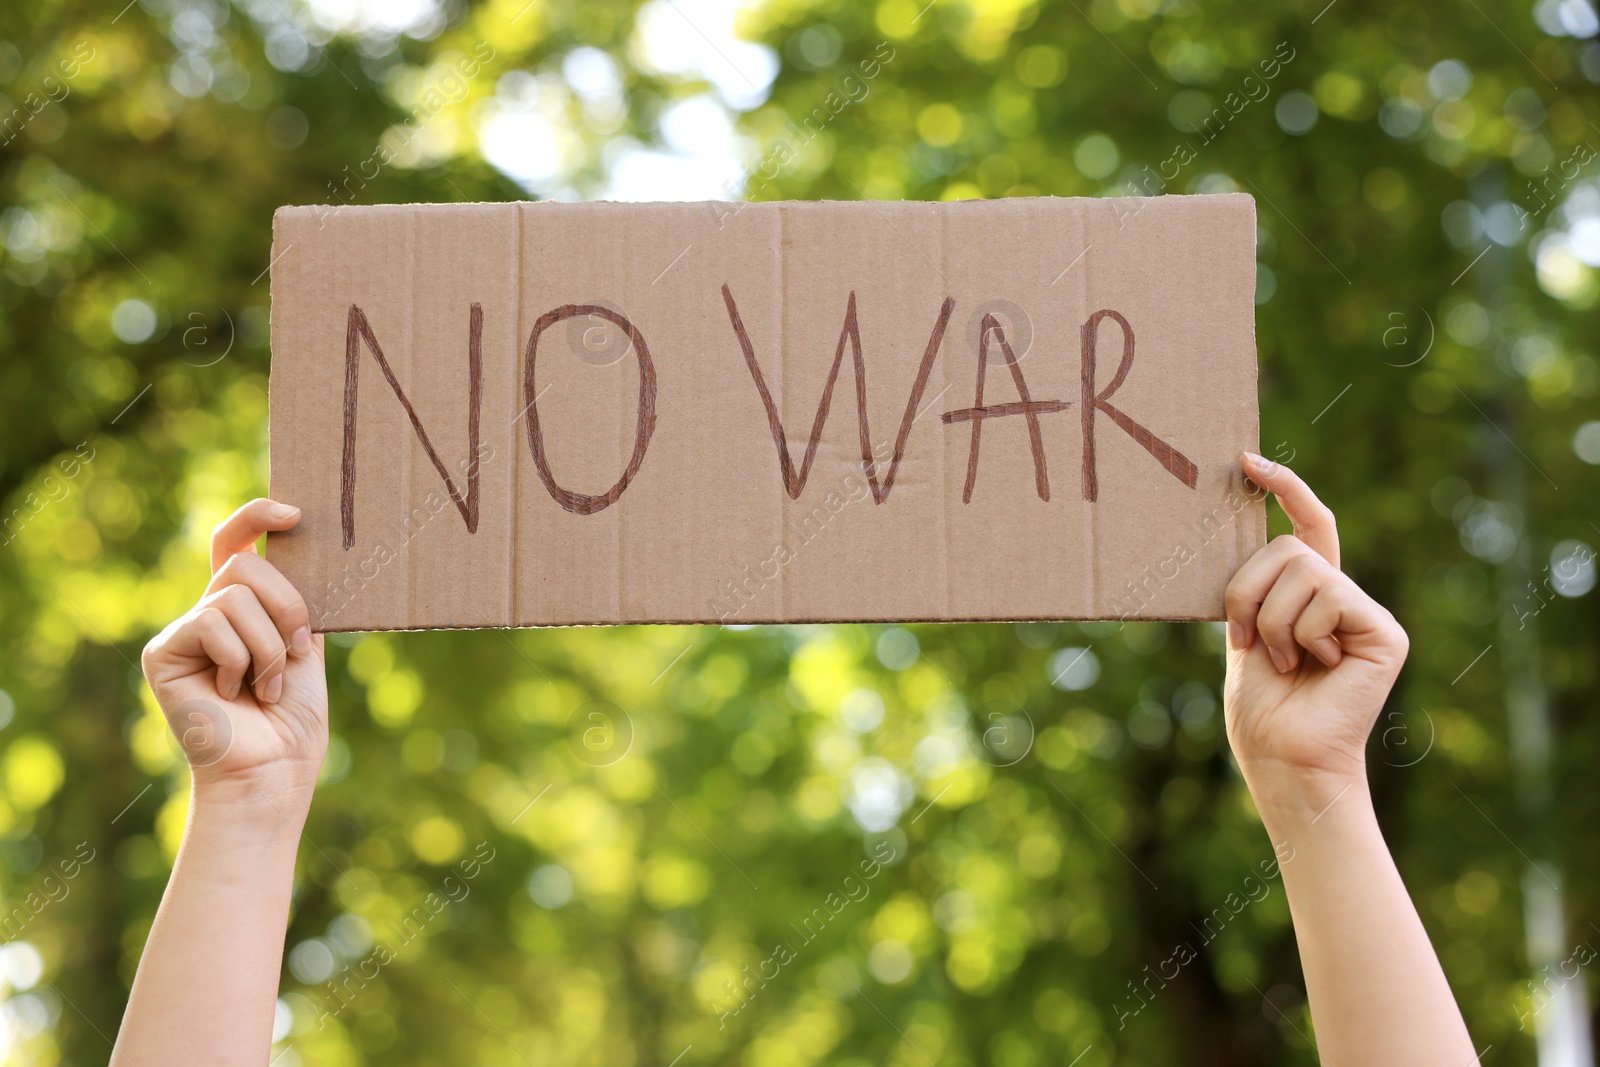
(358, 331)
(1176, 462)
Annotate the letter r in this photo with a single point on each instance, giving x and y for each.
(1174, 461)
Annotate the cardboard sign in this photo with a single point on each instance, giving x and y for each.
(548, 413)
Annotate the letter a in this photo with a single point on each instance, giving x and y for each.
(1026, 406)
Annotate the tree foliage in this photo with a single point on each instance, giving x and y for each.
(836, 845)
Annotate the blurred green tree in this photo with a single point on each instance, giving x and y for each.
(646, 846)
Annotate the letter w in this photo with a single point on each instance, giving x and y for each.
(795, 482)
(358, 331)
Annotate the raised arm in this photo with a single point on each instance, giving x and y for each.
(1311, 659)
(208, 980)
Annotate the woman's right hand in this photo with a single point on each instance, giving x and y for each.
(240, 676)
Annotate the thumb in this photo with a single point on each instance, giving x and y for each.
(1313, 520)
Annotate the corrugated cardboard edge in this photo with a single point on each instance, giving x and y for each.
(747, 623)
(1256, 534)
(272, 365)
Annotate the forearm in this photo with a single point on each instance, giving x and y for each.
(208, 979)
(1377, 993)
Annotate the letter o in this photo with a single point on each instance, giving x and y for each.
(583, 503)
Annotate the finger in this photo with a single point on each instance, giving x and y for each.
(1303, 576)
(1313, 520)
(275, 592)
(226, 649)
(240, 531)
(1317, 627)
(255, 627)
(1343, 613)
(1250, 584)
(205, 634)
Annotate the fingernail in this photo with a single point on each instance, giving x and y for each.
(1235, 635)
(1278, 659)
(301, 642)
(274, 689)
(1258, 462)
(283, 511)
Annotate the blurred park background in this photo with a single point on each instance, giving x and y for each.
(1057, 801)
